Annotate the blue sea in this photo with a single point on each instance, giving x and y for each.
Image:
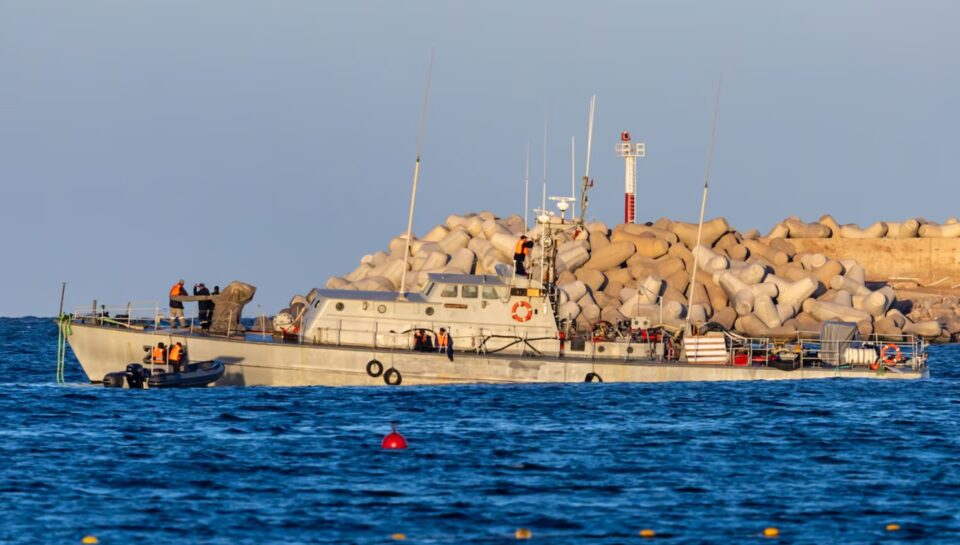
(830, 461)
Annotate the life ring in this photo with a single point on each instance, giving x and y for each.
(887, 357)
(392, 373)
(591, 376)
(374, 368)
(528, 311)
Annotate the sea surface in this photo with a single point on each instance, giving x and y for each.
(828, 461)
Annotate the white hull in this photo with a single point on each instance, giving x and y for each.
(102, 350)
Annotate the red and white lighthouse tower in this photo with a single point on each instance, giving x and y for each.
(630, 151)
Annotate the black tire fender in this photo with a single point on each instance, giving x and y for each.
(392, 377)
(591, 376)
(374, 368)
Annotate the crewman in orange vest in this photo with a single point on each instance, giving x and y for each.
(445, 343)
(159, 354)
(176, 357)
(520, 254)
(176, 307)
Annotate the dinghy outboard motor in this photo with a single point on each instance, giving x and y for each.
(136, 375)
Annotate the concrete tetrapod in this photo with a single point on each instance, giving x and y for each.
(907, 229)
(831, 311)
(646, 245)
(718, 297)
(765, 310)
(758, 248)
(610, 256)
(712, 231)
(928, 328)
(794, 293)
(741, 296)
(877, 230)
(799, 229)
(754, 327)
(811, 261)
(887, 327)
(828, 221)
(574, 290)
(726, 317)
(657, 232)
(930, 230)
(848, 284)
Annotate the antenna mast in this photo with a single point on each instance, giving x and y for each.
(587, 182)
(703, 201)
(402, 294)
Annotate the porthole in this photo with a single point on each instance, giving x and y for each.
(629, 350)
(381, 309)
(365, 305)
(339, 306)
(601, 348)
(430, 311)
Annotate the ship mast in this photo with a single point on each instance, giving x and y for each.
(703, 204)
(587, 182)
(402, 293)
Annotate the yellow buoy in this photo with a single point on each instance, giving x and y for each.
(647, 532)
(523, 533)
(90, 540)
(771, 532)
(398, 537)
(893, 527)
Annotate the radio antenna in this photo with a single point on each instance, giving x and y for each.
(402, 295)
(586, 175)
(703, 201)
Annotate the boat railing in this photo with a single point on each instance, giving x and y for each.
(875, 352)
(132, 315)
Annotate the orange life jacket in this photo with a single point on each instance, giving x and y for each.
(442, 340)
(176, 353)
(521, 248)
(176, 290)
(159, 355)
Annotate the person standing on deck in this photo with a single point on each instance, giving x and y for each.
(176, 307)
(520, 254)
(445, 343)
(204, 308)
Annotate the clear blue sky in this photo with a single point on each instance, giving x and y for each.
(273, 142)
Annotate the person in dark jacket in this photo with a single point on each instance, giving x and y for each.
(520, 254)
(204, 308)
(445, 343)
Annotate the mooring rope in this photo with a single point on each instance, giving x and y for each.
(64, 330)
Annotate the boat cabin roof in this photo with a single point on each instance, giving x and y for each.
(368, 295)
(470, 279)
(414, 297)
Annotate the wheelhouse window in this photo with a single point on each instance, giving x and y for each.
(469, 292)
(490, 292)
(449, 291)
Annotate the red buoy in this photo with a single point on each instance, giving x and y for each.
(394, 440)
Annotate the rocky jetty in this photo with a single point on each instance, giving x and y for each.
(756, 285)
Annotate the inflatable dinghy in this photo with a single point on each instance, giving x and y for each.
(196, 375)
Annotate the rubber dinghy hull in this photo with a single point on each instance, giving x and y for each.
(197, 375)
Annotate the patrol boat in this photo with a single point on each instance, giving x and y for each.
(505, 329)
